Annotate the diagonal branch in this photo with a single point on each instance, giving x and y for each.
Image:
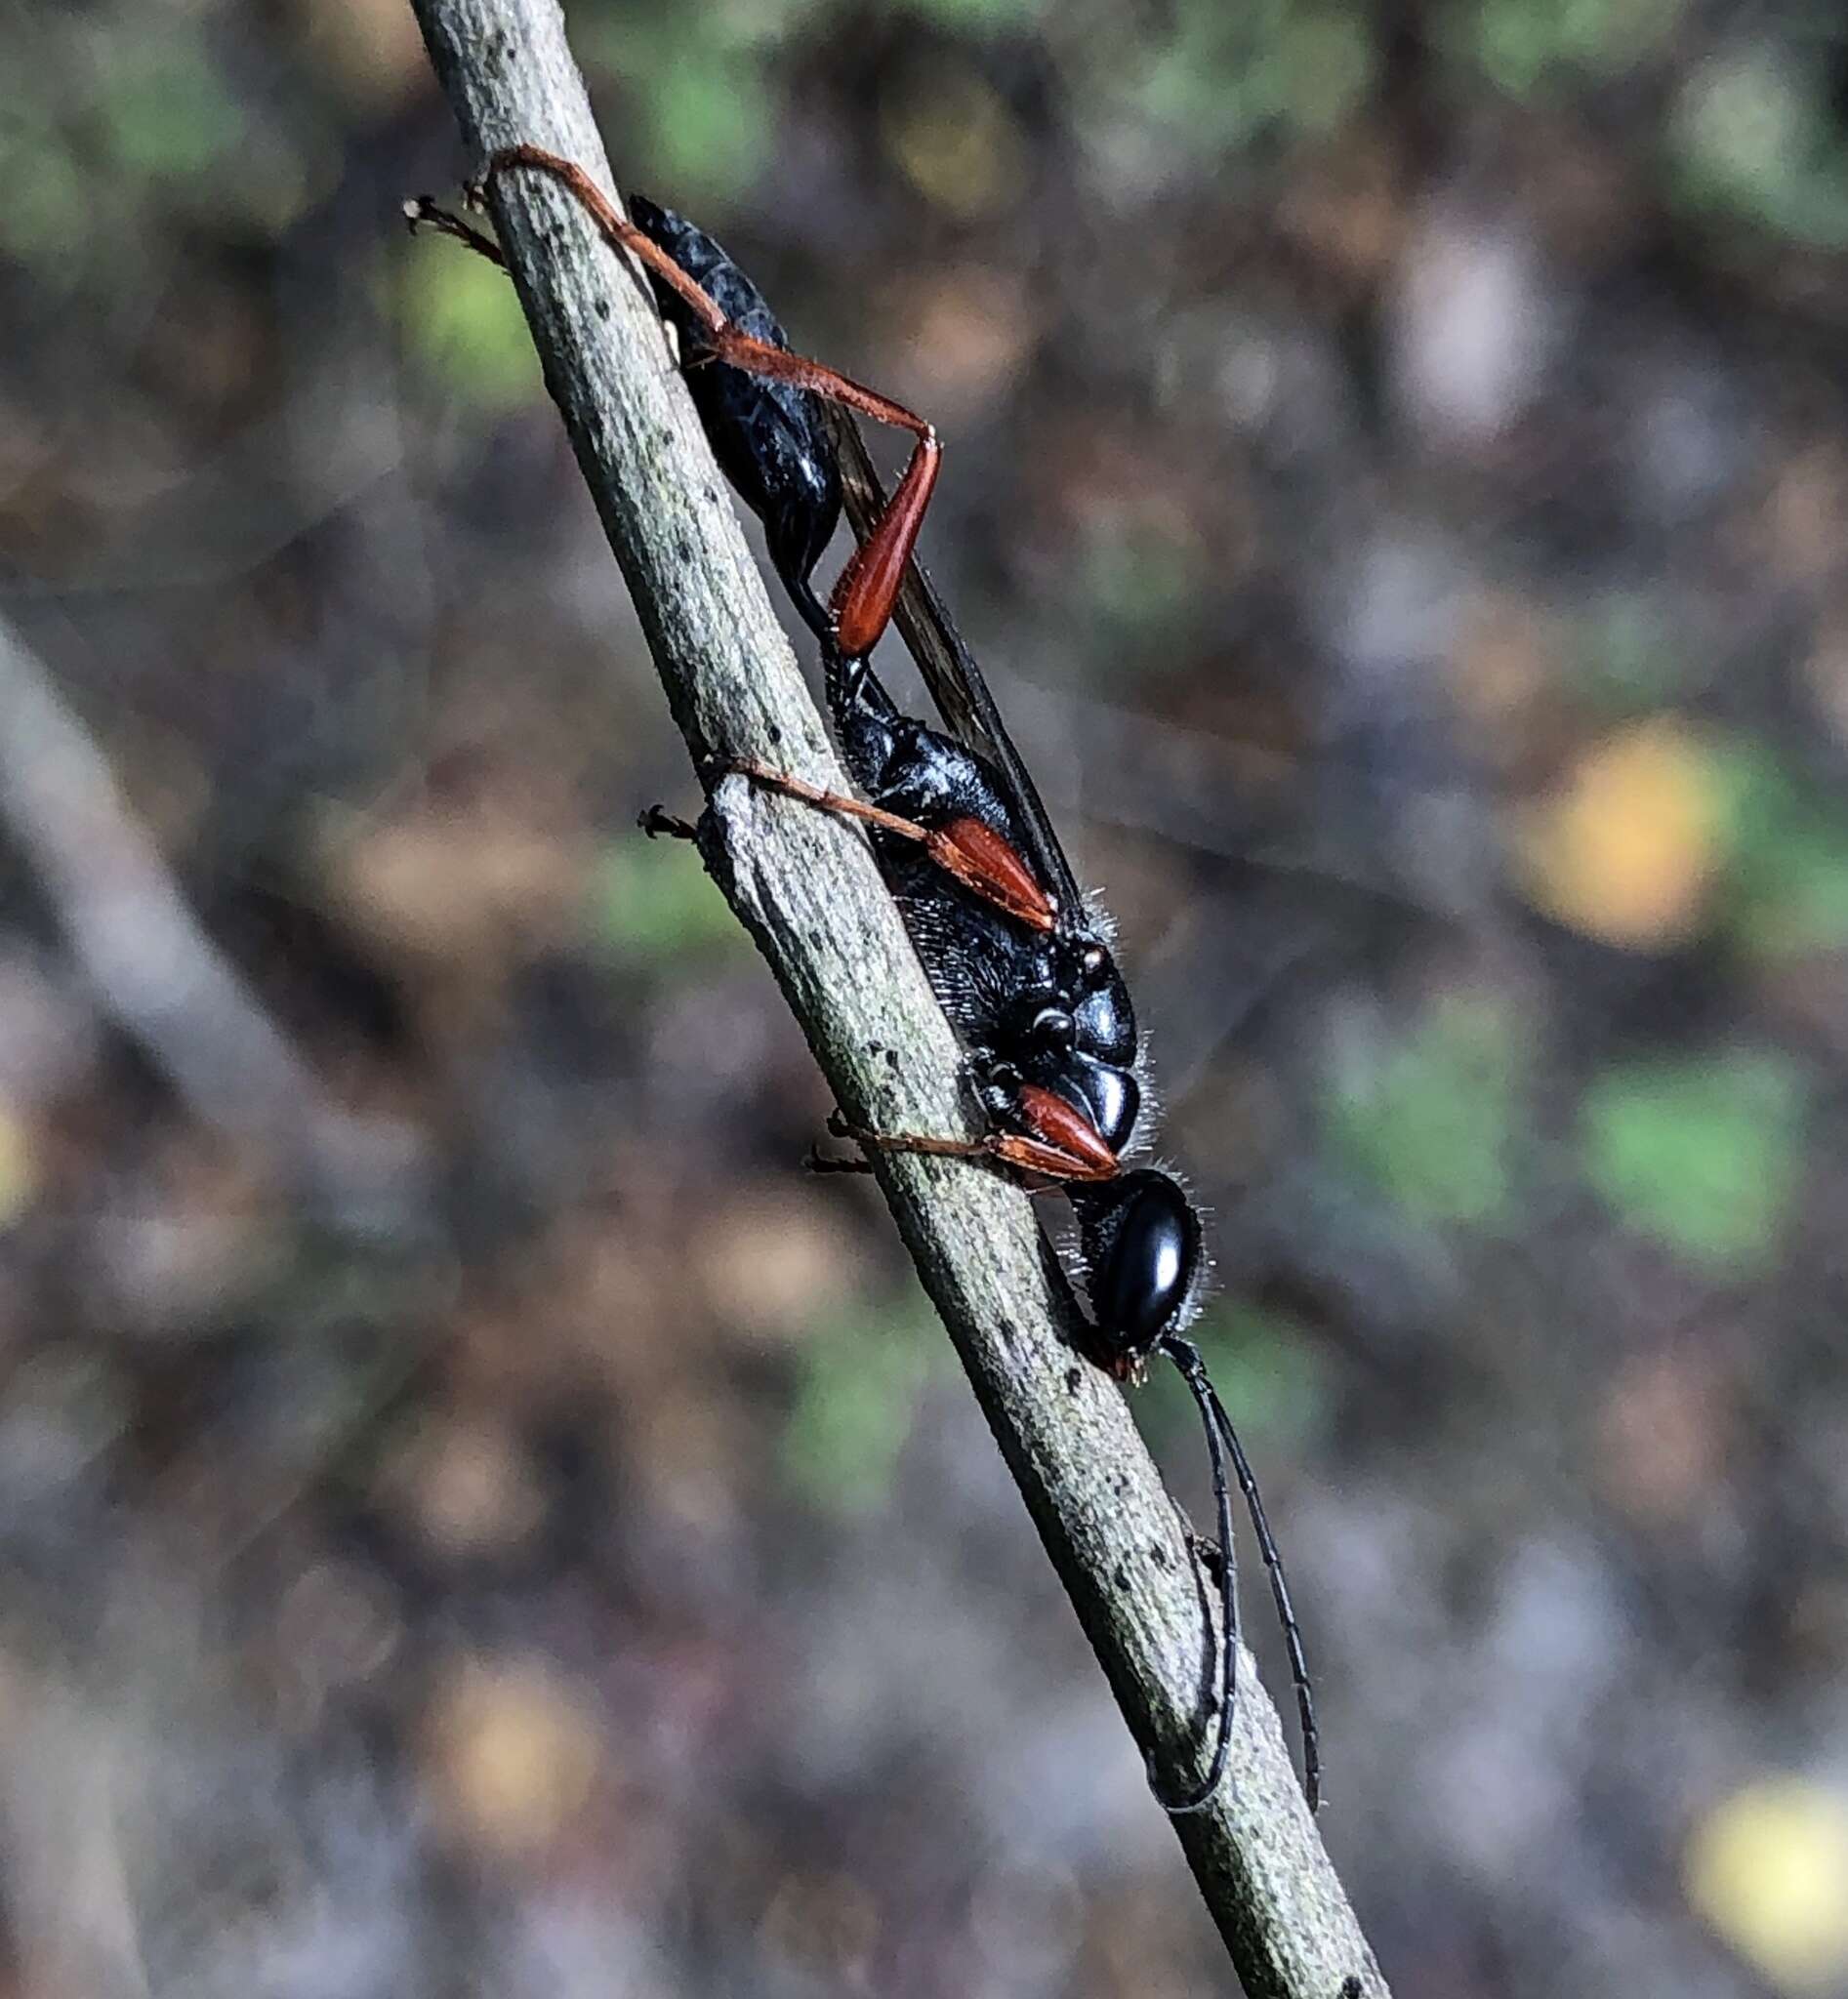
(144, 954)
(806, 888)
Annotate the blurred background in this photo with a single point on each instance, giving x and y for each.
(473, 1517)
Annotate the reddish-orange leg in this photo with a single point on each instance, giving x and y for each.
(1059, 1143)
(868, 587)
(422, 212)
(974, 853)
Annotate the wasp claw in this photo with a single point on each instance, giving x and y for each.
(655, 821)
(1208, 1553)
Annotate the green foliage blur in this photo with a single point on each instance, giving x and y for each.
(1397, 480)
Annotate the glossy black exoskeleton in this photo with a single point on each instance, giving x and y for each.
(767, 435)
(1050, 1004)
(1139, 1239)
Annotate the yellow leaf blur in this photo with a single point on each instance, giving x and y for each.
(1625, 850)
(956, 142)
(511, 1756)
(1768, 1868)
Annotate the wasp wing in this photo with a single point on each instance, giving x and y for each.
(950, 671)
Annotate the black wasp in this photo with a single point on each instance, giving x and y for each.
(1017, 956)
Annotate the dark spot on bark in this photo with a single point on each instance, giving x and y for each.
(891, 1060)
(1119, 1485)
(1350, 1987)
(711, 498)
(1072, 1376)
(1119, 1582)
(601, 307)
(1159, 1555)
(775, 733)
(683, 550)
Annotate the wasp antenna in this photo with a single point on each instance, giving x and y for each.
(1273, 1566)
(1193, 1370)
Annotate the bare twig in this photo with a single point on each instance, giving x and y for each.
(150, 963)
(159, 977)
(806, 888)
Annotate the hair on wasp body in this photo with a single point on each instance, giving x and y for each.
(1018, 955)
